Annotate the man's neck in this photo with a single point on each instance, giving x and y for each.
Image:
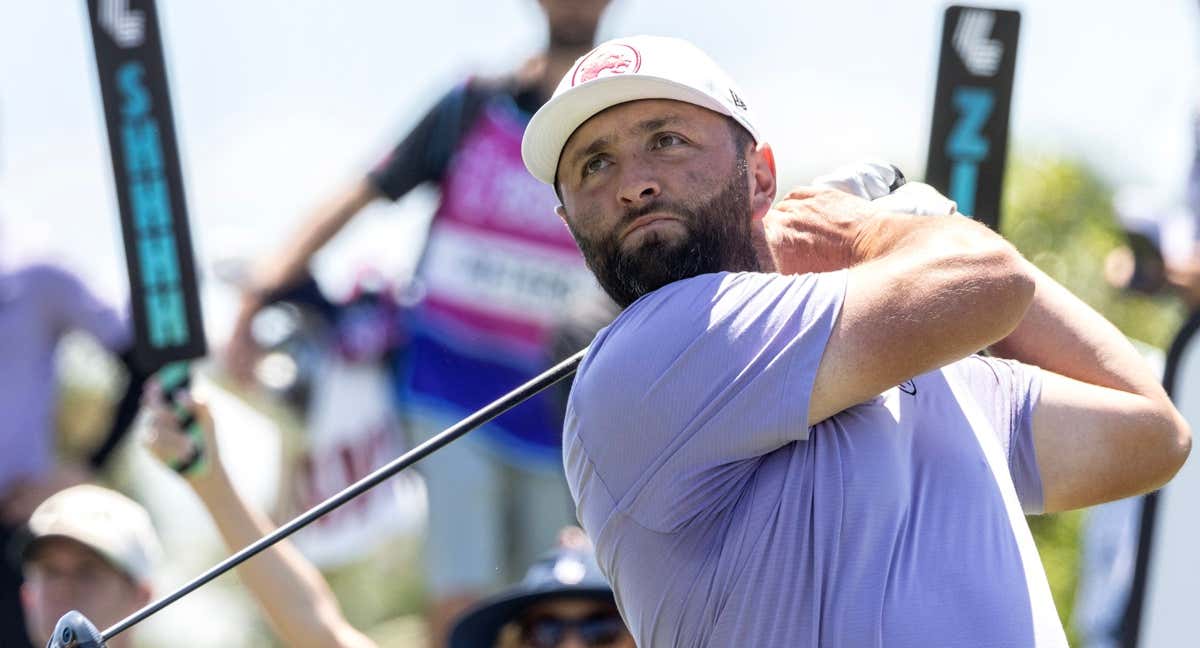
(558, 59)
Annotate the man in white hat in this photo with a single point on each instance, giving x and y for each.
(92, 550)
(784, 439)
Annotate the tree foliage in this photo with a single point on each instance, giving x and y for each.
(1060, 215)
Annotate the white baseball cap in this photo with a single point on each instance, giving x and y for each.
(109, 523)
(628, 69)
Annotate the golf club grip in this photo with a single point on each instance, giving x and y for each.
(176, 378)
(481, 416)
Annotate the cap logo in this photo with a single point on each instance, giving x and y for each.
(737, 101)
(607, 60)
(569, 571)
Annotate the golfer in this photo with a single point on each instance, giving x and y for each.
(786, 439)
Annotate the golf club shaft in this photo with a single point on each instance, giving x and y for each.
(491, 411)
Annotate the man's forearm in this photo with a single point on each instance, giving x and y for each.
(920, 292)
(289, 263)
(1103, 427)
(1061, 333)
(296, 599)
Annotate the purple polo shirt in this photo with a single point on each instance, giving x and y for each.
(722, 519)
(38, 304)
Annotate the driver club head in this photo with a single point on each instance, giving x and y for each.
(74, 630)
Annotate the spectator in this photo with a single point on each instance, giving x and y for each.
(563, 600)
(495, 273)
(92, 550)
(39, 304)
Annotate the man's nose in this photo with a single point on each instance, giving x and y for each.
(572, 640)
(638, 188)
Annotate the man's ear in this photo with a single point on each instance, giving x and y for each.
(761, 163)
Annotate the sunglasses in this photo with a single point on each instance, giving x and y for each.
(598, 630)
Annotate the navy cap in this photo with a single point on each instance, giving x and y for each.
(566, 572)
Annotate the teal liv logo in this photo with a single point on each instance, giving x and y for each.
(967, 147)
(166, 313)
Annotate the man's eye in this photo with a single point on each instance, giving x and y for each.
(593, 165)
(667, 139)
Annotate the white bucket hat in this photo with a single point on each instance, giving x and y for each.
(106, 521)
(628, 69)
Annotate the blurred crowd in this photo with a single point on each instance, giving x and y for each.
(367, 376)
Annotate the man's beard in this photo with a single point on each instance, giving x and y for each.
(717, 238)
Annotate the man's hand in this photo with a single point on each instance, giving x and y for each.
(812, 230)
(168, 442)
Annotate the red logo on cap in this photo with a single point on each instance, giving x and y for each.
(607, 61)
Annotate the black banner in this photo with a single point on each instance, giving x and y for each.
(968, 142)
(154, 224)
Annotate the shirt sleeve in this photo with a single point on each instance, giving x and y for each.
(694, 383)
(1008, 391)
(424, 154)
(69, 304)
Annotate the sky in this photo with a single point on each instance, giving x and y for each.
(280, 103)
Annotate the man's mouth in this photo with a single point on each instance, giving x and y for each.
(647, 221)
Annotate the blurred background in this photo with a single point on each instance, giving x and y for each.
(277, 103)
